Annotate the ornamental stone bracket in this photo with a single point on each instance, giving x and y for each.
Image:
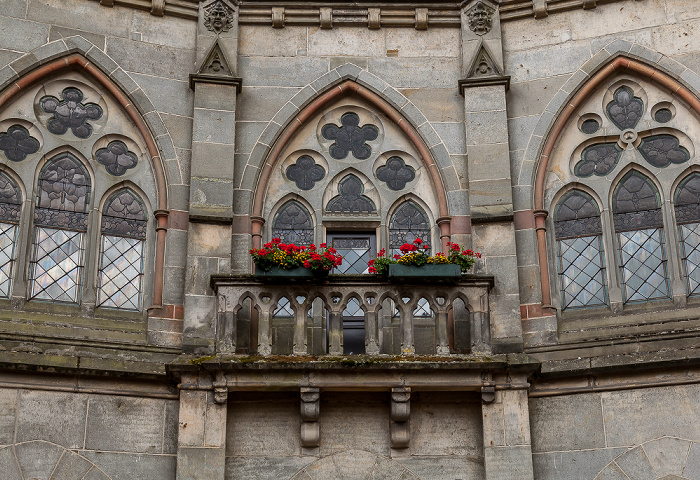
(400, 417)
(310, 400)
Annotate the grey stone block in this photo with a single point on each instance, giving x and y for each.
(395, 98)
(129, 466)
(596, 62)
(212, 160)
(170, 431)
(25, 63)
(672, 67)
(519, 131)
(573, 422)
(350, 71)
(199, 270)
(120, 77)
(285, 114)
(558, 103)
(247, 135)
(196, 463)
(8, 415)
(441, 156)
(575, 81)
(508, 463)
(437, 104)
(250, 178)
(322, 83)
(169, 96)
(453, 135)
(112, 22)
(213, 126)
(458, 201)
(547, 61)
(184, 161)
(451, 181)
(431, 419)
(372, 81)
(489, 161)
(174, 280)
(80, 39)
(176, 243)
(52, 416)
(618, 46)
(7, 75)
(267, 468)
(200, 312)
(102, 60)
(645, 53)
(156, 125)
(173, 172)
(581, 464)
(179, 197)
(275, 423)
(361, 62)
(149, 59)
(484, 99)
(425, 72)
(134, 424)
(142, 102)
(14, 8)
(486, 127)
(71, 466)
(692, 466)
(37, 459)
(429, 134)
(543, 125)
(242, 202)
(667, 455)
(612, 472)
(636, 465)
(21, 35)
(209, 240)
(50, 51)
(443, 468)
(634, 416)
(303, 96)
(8, 464)
(490, 192)
(96, 474)
(206, 191)
(282, 72)
(691, 79)
(260, 103)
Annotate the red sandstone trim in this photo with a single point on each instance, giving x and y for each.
(535, 310)
(77, 60)
(461, 225)
(178, 220)
(523, 220)
(618, 64)
(175, 312)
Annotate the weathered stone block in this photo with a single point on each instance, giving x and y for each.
(8, 415)
(129, 466)
(254, 40)
(21, 35)
(445, 427)
(265, 468)
(573, 422)
(70, 467)
(283, 72)
(443, 468)
(429, 73)
(52, 416)
(579, 464)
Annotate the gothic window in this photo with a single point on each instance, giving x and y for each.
(639, 227)
(687, 207)
(10, 205)
(407, 224)
(293, 224)
(122, 251)
(578, 232)
(60, 223)
(351, 199)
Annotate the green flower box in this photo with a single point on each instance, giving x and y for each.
(442, 272)
(279, 273)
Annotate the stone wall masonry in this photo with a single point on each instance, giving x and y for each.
(643, 433)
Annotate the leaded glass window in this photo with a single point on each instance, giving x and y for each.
(122, 251)
(60, 221)
(639, 227)
(10, 205)
(408, 223)
(578, 231)
(293, 224)
(687, 207)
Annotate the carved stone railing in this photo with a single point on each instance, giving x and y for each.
(258, 299)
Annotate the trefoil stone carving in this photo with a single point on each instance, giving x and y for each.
(396, 174)
(17, 143)
(70, 112)
(350, 137)
(305, 172)
(480, 18)
(625, 110)
(598, 159)
(218, 17)
(116, 158)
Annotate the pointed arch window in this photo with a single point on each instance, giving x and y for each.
(408, 223)
(10, 206)
(60, 223)
(687, 209)
(578, 232)
(122, 251)
(639, 226)
(293, 224)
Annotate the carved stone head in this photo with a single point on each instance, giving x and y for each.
(218, 17)
(480, 18)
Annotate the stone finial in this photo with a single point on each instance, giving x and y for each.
(218, 17)
(480, 18)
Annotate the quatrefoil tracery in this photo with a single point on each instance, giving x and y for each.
(625, 111)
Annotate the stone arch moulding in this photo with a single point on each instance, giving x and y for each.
(333, 94)
(618, 64)
(76, 58)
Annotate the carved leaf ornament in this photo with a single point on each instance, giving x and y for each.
(625, 111)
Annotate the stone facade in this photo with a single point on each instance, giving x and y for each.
(147, 145)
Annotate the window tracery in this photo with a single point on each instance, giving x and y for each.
(293, 224)
(687, 209)
(10, 205)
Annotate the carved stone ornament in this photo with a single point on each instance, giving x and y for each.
(17, 143)
(70, 113)
(116, 158)
(480, 18)
(483, 65)
(218, 17)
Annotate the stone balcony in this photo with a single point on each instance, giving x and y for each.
(352, 314)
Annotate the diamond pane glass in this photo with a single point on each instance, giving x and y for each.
(57, 265)
(121, 272)
(690, 248)
(423, 309)
(293, 224)
(8, 233)
(582, 272)
(353, 309)
(356, 253)
(643, 264)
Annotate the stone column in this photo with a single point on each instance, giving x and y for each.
(201, 453)
(506, 428)
(490, 192)
(215, 86)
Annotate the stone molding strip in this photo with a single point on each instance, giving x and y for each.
(439, 14)
(77, 60)
(618, 64)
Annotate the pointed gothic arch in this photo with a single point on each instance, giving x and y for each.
(616, 64)
(73, 58)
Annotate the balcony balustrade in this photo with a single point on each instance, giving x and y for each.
(341, 314)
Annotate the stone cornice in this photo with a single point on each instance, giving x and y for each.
(420, 14)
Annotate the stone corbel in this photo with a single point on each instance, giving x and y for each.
(488, 388)
(400, 417)
(158, 7)
(220, 388)
(277, 17)
(310, 411)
